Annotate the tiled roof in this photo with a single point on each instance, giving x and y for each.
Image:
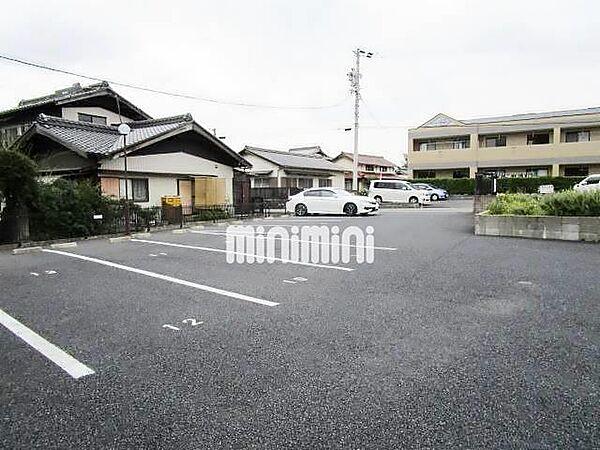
(370, 160)
(104, 140)
(72, 93)
(291, 160)
(312, 150)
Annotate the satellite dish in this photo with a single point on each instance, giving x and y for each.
(124, 129)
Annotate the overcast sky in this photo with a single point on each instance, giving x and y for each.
(464, 58)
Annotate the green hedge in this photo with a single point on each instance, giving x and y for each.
(567, 203)
(505, 185)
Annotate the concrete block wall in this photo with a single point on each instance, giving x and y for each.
(539, 227)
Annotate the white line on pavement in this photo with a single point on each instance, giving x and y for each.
(220, 250)
(147, 273)
(49, 350)
(223, 233)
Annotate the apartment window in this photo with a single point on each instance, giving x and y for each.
(538, 138)
(577, 136)
(460, 173)
(370, 168)
(495, 141)
(532, 173)
(325, 182)
(459, 144)
(137, 189)
(90, 118)
(577, 171)
(424, 173)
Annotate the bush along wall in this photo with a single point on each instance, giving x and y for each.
(466, 186)
(567, 203)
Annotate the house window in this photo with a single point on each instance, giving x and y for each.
(137, 189)
(305, 183)
(263, 181)
(90, 118)
(325, 182)
(538, 138)
(577, 136)
(369, 168)
(495, 141)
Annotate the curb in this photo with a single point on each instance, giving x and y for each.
(115, 240)
(179, 231)
(23, 250)
(64, 245)
(141, 235)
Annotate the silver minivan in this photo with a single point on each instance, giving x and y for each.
(397, 191)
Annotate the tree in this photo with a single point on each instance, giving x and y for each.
(18, 190)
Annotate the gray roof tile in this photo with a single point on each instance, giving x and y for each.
(293, 161)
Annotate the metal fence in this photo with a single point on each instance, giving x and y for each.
(273, 197)
(214, 213)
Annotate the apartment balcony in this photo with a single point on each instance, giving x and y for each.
(560, 153)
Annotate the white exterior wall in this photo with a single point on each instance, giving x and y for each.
(168, 167)
(70, 113)
(260, 164)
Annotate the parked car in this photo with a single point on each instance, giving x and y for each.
(397, 191)
(330, 201)
(436, 193)
(591, 183)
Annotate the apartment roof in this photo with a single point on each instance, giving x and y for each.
(76, 93)
(97, 140)
(368, 159)
(440, 120)
(291, 160)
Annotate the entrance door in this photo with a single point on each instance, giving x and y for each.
(184, 188)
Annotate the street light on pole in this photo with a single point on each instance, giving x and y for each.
(354, 77)
(124, 131)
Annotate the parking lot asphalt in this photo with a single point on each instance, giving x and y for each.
(447, 339)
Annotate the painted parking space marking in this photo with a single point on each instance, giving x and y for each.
(220, 250)
(289, 281)
(160, 276)
(35, 274)
(59, 357)
(171, 327)
(300, 279)
(279, 238)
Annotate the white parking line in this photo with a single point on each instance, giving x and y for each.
(160, 276)
(223, 233)
(49, 350)
(220, 250)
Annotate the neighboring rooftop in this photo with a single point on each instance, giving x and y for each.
(311, 150)
(371, 160)
(98, 140)
(76, 92)
(441, 120)
(292, 160)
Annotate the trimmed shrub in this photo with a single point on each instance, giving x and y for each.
(454, 186)
(466, 186)
(531, 185)
(517, 204)
(572, 203)
(567, 203)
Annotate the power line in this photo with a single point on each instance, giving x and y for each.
(171, 94)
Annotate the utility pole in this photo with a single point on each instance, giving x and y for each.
(354, 77)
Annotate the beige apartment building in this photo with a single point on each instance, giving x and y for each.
(559, 143)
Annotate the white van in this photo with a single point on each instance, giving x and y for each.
(397, 191)
(591, 183)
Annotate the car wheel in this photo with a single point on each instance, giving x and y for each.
(350, 209)
(434, 197)
(378, 199)
(301, 209)
(413, 200)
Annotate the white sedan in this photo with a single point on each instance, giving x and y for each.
(330, 201)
